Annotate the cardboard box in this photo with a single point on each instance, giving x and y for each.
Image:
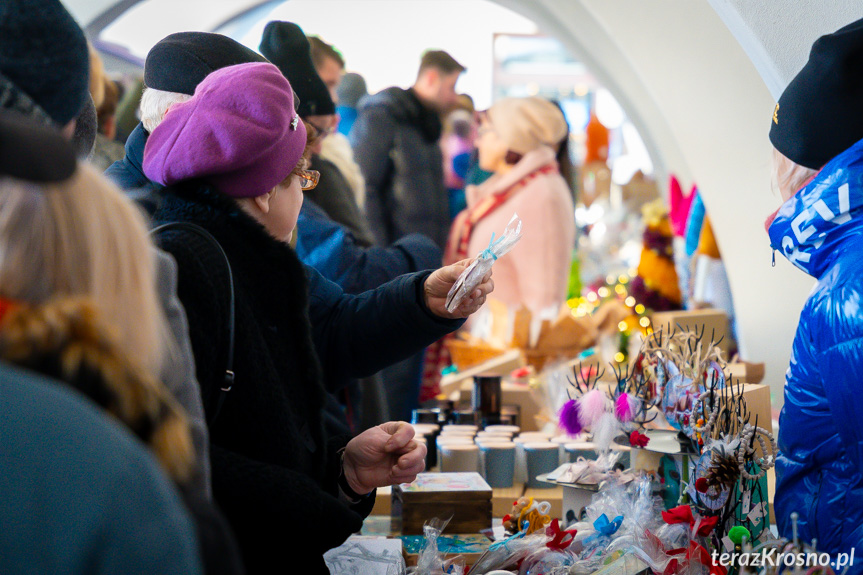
(757, 399)
(745, 372)
(503, 499)
(714, 323)
(465, 497)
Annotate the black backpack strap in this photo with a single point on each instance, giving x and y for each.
(228, 381)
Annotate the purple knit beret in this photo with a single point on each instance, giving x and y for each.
(239, 132)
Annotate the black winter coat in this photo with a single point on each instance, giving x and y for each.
(274, 470)
(395, 142)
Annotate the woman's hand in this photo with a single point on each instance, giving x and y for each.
(383, 455)
(439, 283)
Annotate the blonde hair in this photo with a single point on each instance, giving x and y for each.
(83, 237)
(789, 176)
(155, 104)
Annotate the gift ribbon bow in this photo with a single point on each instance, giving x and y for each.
(487, 253)
(683, 514)
(685, 555)
(606, 527)
(695, 552)
(560, 540)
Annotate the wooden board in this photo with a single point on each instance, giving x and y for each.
(471, 518)
(383, 501)
(500, 365)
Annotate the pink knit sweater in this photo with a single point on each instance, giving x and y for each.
(535, 273)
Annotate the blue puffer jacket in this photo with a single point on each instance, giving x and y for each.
(331, 249)
(819, 471)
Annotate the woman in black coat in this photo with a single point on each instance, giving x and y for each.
(232, 158)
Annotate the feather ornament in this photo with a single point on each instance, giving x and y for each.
(592, 406)
(569, 419)
(625, 407)
(605, 430)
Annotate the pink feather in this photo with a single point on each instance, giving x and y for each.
(623, 407)
(569, 419)
(592, 405)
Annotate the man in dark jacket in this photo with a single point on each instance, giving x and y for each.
(395, 141)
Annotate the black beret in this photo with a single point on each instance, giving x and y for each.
(820, 113)
(33, 152)
(286, 46)
(44, 53)
(179, 62)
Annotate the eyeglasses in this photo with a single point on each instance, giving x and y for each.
(308, 179)
(322, 132)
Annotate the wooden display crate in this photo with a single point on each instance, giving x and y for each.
(465, 497)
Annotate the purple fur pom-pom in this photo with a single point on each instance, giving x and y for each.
(569, 420)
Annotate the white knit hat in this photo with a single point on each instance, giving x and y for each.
(525, 124)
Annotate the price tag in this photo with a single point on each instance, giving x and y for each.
(757, 513)
(747, 501)
(728, 544)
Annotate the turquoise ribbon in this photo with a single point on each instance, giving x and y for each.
(499, 544)
(487, 253)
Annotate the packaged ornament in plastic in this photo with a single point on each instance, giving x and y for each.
(506, 554)
(431, 560)
(472, 276)
(554, 558)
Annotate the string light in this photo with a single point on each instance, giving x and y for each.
(640, 309)
(619, 357)
(644, 322)
(603, 292)
(630, 301)
(622, 326)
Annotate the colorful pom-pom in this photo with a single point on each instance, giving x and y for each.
(592, 405)
(624, 408)
(569, 418)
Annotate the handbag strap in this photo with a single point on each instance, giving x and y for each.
(228, 381)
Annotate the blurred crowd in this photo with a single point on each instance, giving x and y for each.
(208, 352)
